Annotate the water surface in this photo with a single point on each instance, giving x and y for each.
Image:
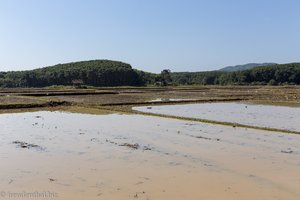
(81, 156)
(281, 117)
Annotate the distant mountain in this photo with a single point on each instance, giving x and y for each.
(244, 67)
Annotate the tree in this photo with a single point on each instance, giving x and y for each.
(166, 78)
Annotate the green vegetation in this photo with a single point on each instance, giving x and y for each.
(244, 67)
(163, 79)
(94, 73)
(272, 75)
(112, 73)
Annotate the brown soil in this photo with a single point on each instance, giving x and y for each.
(286, 95)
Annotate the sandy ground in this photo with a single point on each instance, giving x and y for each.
(143, 157)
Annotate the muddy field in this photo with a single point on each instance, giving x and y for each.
(93, 145)
(117, 156)
(280, 94)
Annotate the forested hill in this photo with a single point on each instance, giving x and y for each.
(244, 67)
(272, 75)
(114, 73)
(94, 72)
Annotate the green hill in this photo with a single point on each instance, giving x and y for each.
(244, 67)
(94, 72)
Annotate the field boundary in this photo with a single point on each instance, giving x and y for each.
(34, 105)
(149, 103)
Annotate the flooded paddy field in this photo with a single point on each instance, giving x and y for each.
(121, 156)
(131, 156)
(271, 116)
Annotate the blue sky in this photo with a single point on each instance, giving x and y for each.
(182, 35)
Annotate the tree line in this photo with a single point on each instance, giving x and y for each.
(114, 73)
(278, 74)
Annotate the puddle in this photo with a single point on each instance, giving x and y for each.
(142, 157)
(168, 99)
(280, 117)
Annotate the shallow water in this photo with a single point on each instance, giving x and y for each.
(115, 156)
(168, 99)
(281, 117)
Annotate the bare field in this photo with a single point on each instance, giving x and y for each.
(265, 94)
(5, 100)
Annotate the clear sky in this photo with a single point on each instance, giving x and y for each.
(182, 35)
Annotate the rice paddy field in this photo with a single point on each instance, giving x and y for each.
(151, 143)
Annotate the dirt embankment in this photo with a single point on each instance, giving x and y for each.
(34, 105)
